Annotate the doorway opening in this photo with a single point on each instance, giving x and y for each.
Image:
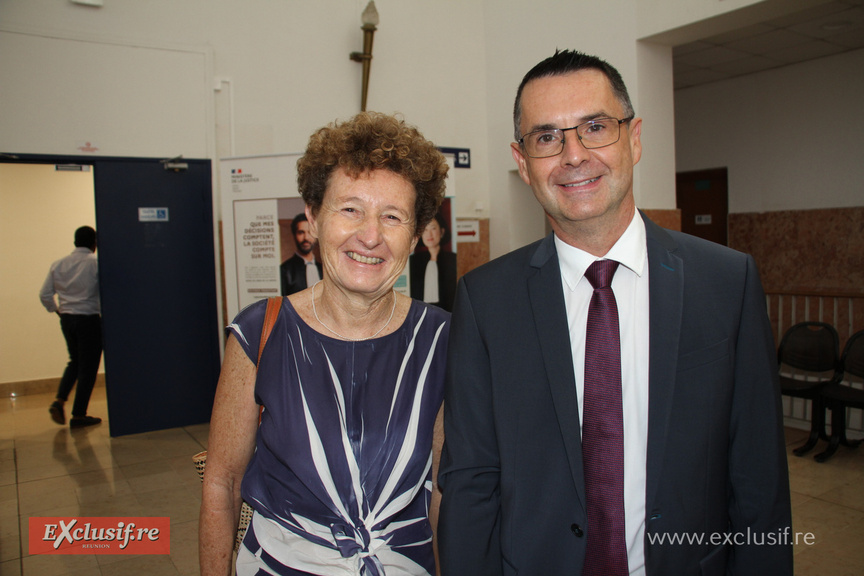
(702, 196)
(157, 279)
(41, 206)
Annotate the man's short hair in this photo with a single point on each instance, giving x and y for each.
(296, 221)
(566, 62)
(85, 237)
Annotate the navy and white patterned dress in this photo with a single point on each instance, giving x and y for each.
(341, 476)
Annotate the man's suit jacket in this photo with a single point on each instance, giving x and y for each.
(292, 274)
(511, 471)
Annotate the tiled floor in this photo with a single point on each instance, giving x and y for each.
(49, 470)
(828, 501)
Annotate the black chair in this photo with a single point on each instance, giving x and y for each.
(839, 396)
(808, 358)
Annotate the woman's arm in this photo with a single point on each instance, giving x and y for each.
(231, 443)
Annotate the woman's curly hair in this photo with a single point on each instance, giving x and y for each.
(374, 141)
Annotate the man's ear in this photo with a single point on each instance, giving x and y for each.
(521, 161)
(635, 134)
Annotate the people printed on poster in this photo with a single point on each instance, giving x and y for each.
(303, 268)
(433, 267)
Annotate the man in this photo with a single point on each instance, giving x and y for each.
(692, 442)
(301, 270)
(75, 281)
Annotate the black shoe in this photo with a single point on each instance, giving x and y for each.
(57, 414)
(81, 421)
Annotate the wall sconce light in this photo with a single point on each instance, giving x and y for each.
(370, 21)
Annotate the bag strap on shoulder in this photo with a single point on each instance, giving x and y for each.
(274, 305)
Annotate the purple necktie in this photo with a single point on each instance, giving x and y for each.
(603, 429)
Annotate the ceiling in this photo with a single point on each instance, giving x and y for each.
(823, 30)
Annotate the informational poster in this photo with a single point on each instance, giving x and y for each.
(433, 265)
(256, 242)
(252, 189)
(259, 203)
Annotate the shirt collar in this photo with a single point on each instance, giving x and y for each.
(630, 250)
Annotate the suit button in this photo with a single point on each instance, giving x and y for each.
(577, 530)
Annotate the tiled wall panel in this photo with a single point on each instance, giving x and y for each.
(812, 267)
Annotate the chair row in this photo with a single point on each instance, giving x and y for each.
(812, 349)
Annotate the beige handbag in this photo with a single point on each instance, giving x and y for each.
(200, 460)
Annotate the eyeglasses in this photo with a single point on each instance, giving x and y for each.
(592, 134)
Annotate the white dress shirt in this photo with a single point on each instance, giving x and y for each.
(312, 276)
(430, 282)
(630, 285)
(75, 280)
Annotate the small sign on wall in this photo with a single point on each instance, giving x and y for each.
(153, 214)
(467, 231)
(703, 219)
(461, 156)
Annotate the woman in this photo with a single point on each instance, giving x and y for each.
(350, 380)
(433, 271)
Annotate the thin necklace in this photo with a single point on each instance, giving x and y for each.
(315, 312)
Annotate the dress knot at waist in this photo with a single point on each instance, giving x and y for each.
(354, 542)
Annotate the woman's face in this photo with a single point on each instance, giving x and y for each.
(432, 234)
(365, 230)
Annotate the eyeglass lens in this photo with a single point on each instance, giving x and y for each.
(593, 134)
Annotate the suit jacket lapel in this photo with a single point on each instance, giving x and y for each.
(666, 278)
(550, 317)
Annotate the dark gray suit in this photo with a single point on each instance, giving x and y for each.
(292, 274)
(511, 471)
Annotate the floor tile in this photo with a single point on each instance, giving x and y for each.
(10, 547)
(184, 547)
(42, 497)
(8, 477)
(814, 562)
(60, 565)
(152, 565)
(806, 476)
(10, 568)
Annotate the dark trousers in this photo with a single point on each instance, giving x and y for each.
(84, 340)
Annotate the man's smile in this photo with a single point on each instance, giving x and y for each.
(582, 183)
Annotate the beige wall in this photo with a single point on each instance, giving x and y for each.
(790, 137)
(40, 209)
(223, 78)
